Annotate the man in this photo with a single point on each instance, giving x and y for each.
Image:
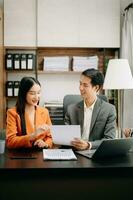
(96, 117)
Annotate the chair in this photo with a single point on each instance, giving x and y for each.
(75, 98)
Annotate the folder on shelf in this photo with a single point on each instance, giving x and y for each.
(9, 88)
(16, 88)
(81, 63)
(23, 61)
(16, 61)
(56, 63)
(30, 61)
(9, 61)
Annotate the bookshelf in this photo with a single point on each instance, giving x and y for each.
(104, 54)
(38, 72)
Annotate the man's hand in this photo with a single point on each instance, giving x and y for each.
(80, 144)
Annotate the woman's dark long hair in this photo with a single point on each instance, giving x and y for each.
(26, 84)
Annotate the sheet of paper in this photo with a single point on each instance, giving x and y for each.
(64, 134)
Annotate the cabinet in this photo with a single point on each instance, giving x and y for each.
(62, 23)
(78, 23)
(20, 23)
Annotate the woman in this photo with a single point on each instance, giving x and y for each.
(28, 123)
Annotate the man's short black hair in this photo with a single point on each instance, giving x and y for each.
(95, 75)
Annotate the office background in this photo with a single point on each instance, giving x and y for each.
(76, 29)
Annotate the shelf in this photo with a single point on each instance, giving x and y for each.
(20, 48)
(11, 98)
(20, 71)
(57, 72)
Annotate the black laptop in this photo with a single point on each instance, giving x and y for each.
(108, 148)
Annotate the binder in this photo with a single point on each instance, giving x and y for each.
(16, 88)
(16, 61)
(23, 61)
(9, 61)
(9, 88)
(30, 61)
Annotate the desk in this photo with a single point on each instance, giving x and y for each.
(81, 179)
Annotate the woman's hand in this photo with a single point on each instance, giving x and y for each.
(127, 132)
(43, 128)
(40, 143)
(80, 144)
(40, 131)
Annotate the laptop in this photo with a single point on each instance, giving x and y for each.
(64, 134)
(109, 148)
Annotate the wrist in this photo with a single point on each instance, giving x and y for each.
(32, 137)
(89, 145)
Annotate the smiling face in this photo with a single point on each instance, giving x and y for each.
(87, 90)
(33, 95)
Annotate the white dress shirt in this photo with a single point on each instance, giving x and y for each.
(87, 120)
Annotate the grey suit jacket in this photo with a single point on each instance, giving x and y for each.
(103, 122)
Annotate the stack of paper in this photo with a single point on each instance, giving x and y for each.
(53, 103)
(55, 110)
(58, 63)
(58, 154)
(83, 63)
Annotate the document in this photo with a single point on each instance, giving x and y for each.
(56, 63)
(58, 154)
(83, 63)
(64, 134)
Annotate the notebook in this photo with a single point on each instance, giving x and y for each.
(64, 134)
(108, 148)
(58, 154)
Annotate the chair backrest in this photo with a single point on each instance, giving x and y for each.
(70, 99)
(75, 98)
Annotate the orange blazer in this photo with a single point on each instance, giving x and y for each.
(14, 136)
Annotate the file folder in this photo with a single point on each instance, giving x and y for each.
(9, 61)
(16, 88)
(23, 61)
(30, 61)
(16, 61)
(9, 88)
